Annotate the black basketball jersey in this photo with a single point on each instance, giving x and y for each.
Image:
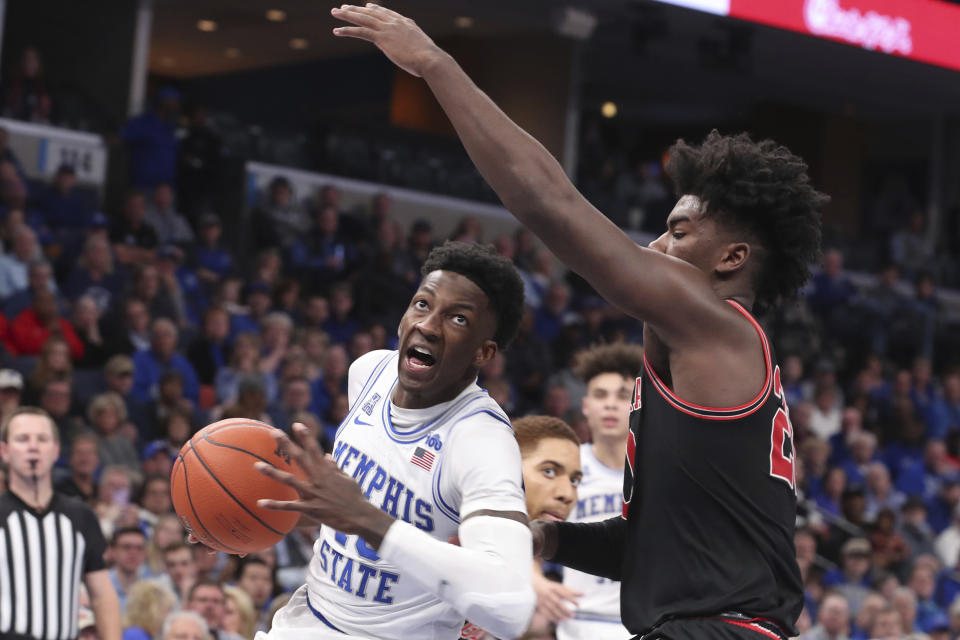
(710, 502)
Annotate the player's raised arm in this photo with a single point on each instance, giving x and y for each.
(532, 185)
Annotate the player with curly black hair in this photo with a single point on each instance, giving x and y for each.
(705, 544)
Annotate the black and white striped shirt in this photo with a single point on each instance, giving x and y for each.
(43, 557)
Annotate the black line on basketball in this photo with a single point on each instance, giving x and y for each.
(227, 491)
(186, 489)
(236, 448)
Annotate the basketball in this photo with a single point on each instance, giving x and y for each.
(215, 487)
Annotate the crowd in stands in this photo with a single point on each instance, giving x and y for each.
(135, 327)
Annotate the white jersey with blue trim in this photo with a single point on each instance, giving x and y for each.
(427, 467)
(599, 497)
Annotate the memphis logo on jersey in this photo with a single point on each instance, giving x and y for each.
(422, 458)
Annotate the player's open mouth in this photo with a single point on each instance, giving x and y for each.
(420, 358)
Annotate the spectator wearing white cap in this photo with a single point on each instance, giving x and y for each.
(11, 389)
(87, 625)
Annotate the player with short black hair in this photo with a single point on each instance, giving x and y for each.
(495, 275)
(424, 454)
(705, 544)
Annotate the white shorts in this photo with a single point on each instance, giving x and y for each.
(592, 630)
(295, 621)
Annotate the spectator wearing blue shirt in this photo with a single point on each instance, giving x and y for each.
(851, 424)
(880, 492)
(831, 289)
(341, 325)
(94, 275)
(258, 305)
(39, 278)
(211, 261)
(323, 252)
(925, 477)
(941, 507)
(64, 206)
(922, 582)
(830, 497)
(151, 141)
(943, 414)
(852, 579)
(548, 319)
(333, 380)
(150, 364)
(863, 448)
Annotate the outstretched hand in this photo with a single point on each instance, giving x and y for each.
(397, 36)
(327, 495)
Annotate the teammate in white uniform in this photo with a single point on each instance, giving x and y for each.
(609, 372)
(423, 455)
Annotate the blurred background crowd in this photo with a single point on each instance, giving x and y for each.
(138, 313)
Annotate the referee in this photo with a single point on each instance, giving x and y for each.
(48, 542)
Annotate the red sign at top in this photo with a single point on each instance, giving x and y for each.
(924, 30)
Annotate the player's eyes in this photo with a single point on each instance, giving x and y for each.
(550, 473)
(420, 304)
(678, 234)
(460, 320)
(575, 481)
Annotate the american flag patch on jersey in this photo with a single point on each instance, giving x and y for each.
(422, 458)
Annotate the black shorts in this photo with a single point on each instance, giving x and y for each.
(720, 628)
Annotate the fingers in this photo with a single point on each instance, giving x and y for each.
(291, 448)
(360, 16)
(382, 10)
(280, 475)
(282, 505)
(362, 33)
(306, 440)
(554, 611)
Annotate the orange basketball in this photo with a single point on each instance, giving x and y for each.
(215, 487)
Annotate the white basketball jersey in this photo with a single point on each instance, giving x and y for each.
(397, 457)
(599, 497)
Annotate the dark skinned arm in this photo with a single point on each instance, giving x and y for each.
(674, 296)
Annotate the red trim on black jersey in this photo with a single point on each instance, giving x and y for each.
(753, 626)
(720, 413)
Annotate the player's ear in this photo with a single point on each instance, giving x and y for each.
(485, 353)
(735, 256)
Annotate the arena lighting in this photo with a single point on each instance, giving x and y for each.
(276, 15)
(921, 30)
(206, 25)
(608, 109)
(299, 44)
(463, 22)
(574, 23)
